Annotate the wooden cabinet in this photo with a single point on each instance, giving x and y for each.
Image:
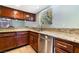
(33, 40)
(12, 40)
(33, 17)
(76, 49)
(22, 38)
(58, 50)
(29, 17)
(63, 46)
(16, 14)
(6, 12)
(11, 13)
(7, 41)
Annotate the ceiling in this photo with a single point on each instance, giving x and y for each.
(29, 8)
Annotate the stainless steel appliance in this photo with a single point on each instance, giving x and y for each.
(45, 44)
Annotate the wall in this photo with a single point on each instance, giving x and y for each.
(39, 18)
(64, 16)
(17, 23)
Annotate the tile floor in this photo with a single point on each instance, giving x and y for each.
(25, 49)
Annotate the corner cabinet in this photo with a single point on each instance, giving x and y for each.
(33, 40)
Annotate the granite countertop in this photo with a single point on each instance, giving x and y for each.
(55, 33)
(65, 36)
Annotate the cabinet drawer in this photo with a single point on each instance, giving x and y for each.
(63, 45)
(58, 50)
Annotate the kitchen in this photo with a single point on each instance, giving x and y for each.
(39, 29)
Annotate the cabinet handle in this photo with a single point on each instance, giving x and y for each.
(62, 45)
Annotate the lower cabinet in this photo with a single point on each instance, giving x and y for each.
(58, 50)
(22, 38)
(15, 39)
(63, 46)
(33, 40)
(7, 41)
(12, 40)
(76, 49)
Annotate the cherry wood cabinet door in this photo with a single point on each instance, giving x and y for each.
(29, 17)
(6, 12)
(7, 43)
(35, 42)
(76, 48)
(22, 41)
(18, 14)
(63, 45)
(22, 38)
(33, 36)
(31, 41)
(0, 11)
(32, 17)
(58, 50)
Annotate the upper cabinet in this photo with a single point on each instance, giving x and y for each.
(29, 16)
(16, 14)
(33, 17)
(6, 12)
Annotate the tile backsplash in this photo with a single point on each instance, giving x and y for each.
(5, 23)
(17, 23)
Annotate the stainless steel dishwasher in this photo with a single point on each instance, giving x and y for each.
(45, 44)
